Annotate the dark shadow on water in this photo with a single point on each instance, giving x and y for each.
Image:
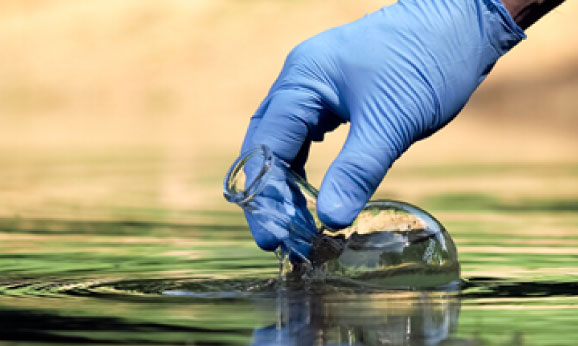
(40, 326)
(499, 288)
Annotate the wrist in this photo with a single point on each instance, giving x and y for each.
(527, 12)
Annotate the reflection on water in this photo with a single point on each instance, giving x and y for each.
(299, 314)
(265, 311)
(395, 318)
(270, 312)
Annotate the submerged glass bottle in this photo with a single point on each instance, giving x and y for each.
(390, 243)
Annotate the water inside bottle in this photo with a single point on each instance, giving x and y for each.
(389, 245)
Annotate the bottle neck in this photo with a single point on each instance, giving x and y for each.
(251, 172)
(248, 175)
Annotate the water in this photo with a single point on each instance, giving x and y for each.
(154, 275)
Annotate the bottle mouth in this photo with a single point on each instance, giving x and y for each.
(247, 175)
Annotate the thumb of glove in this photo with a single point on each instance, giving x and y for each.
(354, 176)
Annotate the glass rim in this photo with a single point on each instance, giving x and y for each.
(246, 194)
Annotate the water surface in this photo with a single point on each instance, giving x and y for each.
(156, 275)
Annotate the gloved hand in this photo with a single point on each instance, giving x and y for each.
(398, 75)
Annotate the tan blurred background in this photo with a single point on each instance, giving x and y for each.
(142, 104)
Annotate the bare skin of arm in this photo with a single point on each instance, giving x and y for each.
(527, 12)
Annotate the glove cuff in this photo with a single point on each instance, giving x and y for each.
(503, 32)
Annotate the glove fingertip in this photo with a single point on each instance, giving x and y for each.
(350, 182)
(336, 209)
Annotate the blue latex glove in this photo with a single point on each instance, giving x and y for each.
(398, 75)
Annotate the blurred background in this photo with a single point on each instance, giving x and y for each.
(134, 109)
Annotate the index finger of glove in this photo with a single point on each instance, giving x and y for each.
(283, 122)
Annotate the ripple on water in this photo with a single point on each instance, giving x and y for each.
(191, 287)
(471, 289)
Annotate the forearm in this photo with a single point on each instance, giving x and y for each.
(527, 12)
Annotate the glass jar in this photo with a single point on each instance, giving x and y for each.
(390, 242)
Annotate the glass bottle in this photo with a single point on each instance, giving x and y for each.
(390, 242)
